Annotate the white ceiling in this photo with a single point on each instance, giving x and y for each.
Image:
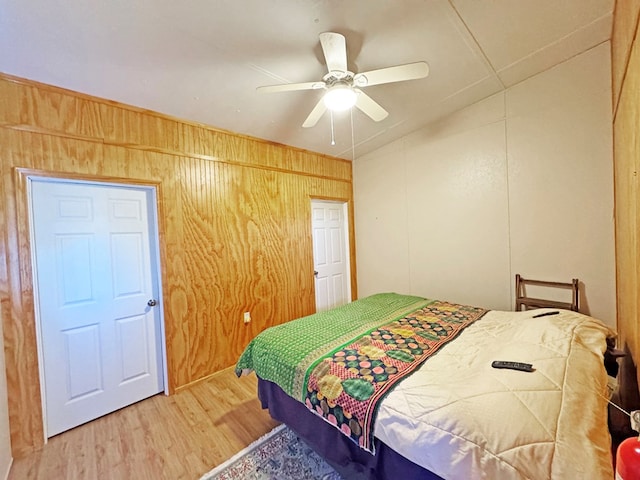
(201, 60)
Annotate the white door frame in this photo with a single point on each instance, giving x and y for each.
(155, 254)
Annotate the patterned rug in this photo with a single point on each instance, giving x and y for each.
(279, 455)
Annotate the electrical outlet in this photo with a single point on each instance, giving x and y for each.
(246, 317)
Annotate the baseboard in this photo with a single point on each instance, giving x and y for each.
(207, 377)
(6, 475)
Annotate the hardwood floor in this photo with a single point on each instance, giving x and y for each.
(178, 437)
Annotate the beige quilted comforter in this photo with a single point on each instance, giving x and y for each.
(462, 419)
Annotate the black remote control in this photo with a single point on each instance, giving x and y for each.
(545, 314)
(523, 367)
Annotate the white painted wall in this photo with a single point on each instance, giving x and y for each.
(521, 182)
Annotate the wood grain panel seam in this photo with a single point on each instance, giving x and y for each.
(166, 151)
(45, 131)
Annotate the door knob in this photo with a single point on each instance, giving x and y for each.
(152, 303)
(315, 273)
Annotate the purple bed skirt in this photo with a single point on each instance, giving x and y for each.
(348, 459)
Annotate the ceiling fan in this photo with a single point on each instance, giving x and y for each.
(343, 88)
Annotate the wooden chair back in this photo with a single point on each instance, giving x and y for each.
(528, 303)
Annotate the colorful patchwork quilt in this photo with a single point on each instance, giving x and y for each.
(343, 362)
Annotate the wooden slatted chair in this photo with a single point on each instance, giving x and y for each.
(529, 303)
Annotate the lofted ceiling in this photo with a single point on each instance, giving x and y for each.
(201, 60)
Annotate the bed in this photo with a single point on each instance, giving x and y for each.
(400, 386)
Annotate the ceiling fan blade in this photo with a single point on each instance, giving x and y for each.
(287, 87)
(399, 73)
(334, 47)
(370, 107)
(315, 114)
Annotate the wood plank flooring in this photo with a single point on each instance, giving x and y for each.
(178, 437)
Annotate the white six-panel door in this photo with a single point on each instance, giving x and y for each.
(330, 254)
(95, 273)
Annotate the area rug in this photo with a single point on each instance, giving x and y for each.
(278, 455)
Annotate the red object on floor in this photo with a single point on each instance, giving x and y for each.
(628, 459)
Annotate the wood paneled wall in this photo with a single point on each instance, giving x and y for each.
(623, 35)
(626, 128)
(234, 217)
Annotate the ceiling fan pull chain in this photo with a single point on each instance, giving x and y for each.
(353, 140)
(333, 139)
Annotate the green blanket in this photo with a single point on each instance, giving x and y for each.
(282, 354)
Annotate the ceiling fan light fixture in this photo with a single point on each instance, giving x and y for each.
(340, 97)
